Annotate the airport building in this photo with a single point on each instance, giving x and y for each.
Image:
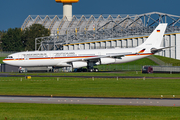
(105, 31)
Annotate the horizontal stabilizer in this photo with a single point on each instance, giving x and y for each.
(154, 50)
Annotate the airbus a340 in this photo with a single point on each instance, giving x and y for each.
(89, 58)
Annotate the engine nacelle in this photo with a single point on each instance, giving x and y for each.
(79, 64)
(108, 60)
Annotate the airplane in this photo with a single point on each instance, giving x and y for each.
(89, 58)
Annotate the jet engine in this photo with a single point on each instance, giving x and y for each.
(79, 64)
(108, 60)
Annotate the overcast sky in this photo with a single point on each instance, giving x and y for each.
(14, 12)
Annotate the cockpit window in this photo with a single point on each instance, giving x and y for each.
(9, 56)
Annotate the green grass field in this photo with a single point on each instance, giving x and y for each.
(1, 60)
(11, 111)
(172, 61)
(87, 87)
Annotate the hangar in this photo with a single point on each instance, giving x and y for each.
(105, 31)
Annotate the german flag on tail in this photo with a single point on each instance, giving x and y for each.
(142, 51)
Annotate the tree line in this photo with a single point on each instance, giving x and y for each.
(16, 39)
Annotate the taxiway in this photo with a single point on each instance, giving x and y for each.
(93, 101)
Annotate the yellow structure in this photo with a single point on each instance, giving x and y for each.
(28, 77)
(67, 1)
(67, 7)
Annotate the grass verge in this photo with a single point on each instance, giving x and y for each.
(11, 111)
(172, 61)
(88, 87)
(1, 60)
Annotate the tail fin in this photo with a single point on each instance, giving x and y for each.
(155, 39)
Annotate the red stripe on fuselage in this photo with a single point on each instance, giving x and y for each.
(47, 58)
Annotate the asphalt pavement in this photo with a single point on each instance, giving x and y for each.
(92, 101)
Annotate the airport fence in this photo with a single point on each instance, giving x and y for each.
(166, 69)
(119, 67)
(160, 69)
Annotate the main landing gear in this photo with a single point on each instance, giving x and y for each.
(86, 70)
(22, 70)
(90, 66)
(93, 70)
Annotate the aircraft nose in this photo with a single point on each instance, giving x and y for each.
(5, 60)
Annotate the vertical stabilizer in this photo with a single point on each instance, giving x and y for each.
(156, 37)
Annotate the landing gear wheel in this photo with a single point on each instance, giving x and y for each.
(90, 70)
(96, 70)
(93, 70)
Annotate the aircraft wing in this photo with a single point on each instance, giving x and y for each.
(117, 55)
(97, 57)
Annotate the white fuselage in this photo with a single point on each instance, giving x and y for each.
(69, 57)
